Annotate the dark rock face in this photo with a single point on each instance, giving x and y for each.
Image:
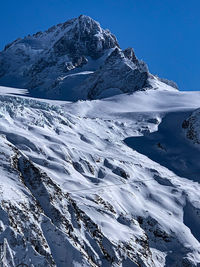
(130, 54)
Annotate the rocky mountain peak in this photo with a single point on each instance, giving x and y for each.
(65, 60)
(86, 23)
(85, 37)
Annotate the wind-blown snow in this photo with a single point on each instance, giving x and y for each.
(12, 91)
(74, 194)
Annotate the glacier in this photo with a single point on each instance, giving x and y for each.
(74, 194)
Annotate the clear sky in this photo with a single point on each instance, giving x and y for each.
(164, 33)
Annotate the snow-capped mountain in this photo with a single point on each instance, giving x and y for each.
(109, 182)
(73, 60)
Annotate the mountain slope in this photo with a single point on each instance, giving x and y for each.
(74, 194)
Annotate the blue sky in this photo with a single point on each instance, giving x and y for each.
(164, 33)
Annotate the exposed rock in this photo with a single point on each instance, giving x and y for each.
(192, 127)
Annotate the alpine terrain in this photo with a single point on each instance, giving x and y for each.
(99, 159)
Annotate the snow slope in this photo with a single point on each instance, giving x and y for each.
(73, 193)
